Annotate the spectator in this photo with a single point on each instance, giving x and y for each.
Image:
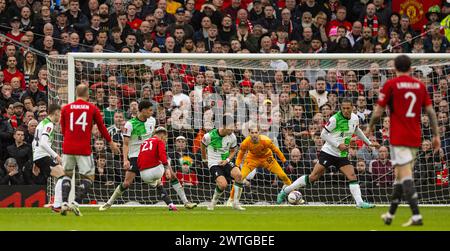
(115, 130)
(313, 7)
(6, 136)
(382, 12)
(101, 172)
(355, 35)
(333, 84)
(382, 169)
(181, 22)
(427, 163)
(105, 18)
(207, 10)
(341, 20)
(186, 175)
(299, 124)
(366, 41)
(30, 65)
(227, 30)
(180, 152)
(320, 93)
(374, 72)
(297, 161)
(20, 150)
(305, 43)
(312, 152)
(289, 25)
(31, 129)
(370, 19)
(112, 108)
(269, 20)
(11, 175)
(362, 111)
(76, 18)
(34, 92)
(15, 32)
(382, 135)
(405, 27)
(12, 71)
(368, 153)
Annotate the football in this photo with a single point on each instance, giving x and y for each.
(294, 197)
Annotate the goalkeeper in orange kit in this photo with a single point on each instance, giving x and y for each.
(259, 150)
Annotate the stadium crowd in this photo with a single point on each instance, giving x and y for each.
(32, 30)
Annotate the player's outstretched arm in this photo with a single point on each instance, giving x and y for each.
(104, 131)
(364, 138)
(434, 127)
(125, 148)
(277, 151)
(240, 156)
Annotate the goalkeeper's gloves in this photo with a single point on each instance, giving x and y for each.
(287, 167)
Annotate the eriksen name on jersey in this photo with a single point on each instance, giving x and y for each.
(406, 85)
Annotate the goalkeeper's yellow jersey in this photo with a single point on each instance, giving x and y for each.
(263, 149)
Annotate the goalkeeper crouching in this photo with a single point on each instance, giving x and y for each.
(259, 150)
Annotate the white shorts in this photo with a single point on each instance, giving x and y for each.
(85, 164)
(401, 155)
(152, 176)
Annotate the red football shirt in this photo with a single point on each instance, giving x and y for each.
(77, 119)
(8, 76)
(405, 96)
(152, 153)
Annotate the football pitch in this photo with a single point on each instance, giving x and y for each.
(297, 218)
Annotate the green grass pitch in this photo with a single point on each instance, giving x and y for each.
(222, 219)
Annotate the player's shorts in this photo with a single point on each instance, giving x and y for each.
(45, 164)
(269, 163)
(85, 163)
(328, 160)
(152, 176)
(134, 165)
(401, 155)
(225, 171)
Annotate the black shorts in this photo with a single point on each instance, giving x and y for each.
(224, 171)
(134, 166)
(328, 160)
(45, 164)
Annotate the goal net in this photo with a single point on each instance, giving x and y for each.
(290, 96)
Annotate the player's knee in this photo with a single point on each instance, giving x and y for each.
(313, 177)
(87, 177)
(57, 171)
(222, 185)
(238, 177)
(352, 177)
(128, 181)
(126, 184)
(408, 189)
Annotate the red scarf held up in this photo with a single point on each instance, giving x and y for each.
(374, 25)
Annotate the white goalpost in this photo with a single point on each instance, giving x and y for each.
(191, 92)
